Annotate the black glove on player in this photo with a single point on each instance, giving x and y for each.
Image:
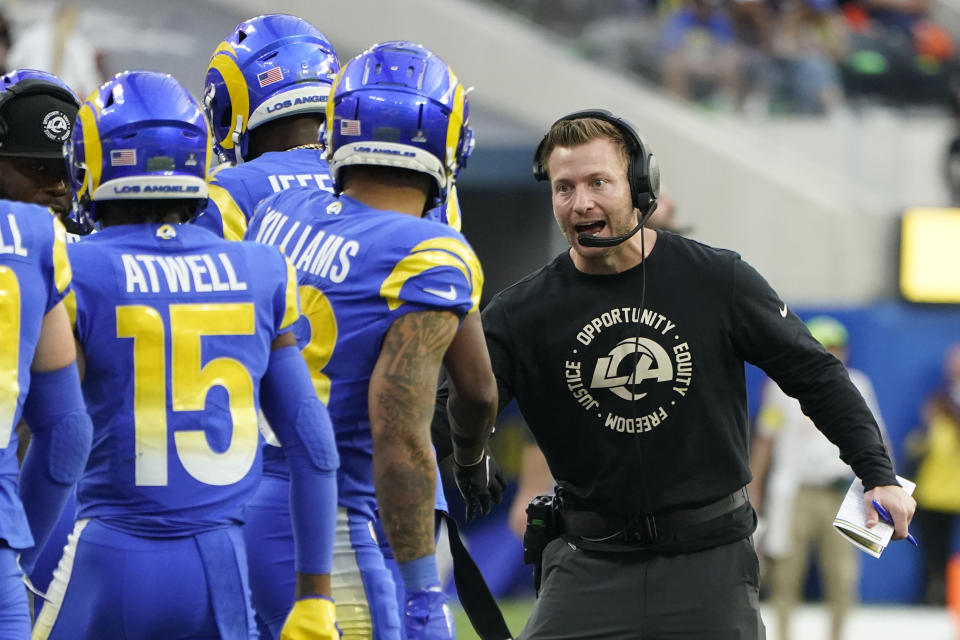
(481, 484)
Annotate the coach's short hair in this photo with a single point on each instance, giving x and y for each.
(573, 133)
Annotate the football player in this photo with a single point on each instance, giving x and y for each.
(384, 293)
(37, 110)
(39, 381)
(265, 96)
(36, 116)
(184, 337)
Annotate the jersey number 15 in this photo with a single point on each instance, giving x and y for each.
(190, 383)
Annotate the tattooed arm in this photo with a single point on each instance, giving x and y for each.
(401, 399)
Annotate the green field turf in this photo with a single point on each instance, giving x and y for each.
(515, 612)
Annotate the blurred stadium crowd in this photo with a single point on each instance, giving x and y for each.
(767, 57)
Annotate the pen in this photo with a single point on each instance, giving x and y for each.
(885, 516)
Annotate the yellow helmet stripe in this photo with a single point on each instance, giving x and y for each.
(435, 252)
(452, 209)
(92, 151)
(455, 123)
(224, 46)
(331, 105)
(237, 88)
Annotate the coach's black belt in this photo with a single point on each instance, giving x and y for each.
(645, 528)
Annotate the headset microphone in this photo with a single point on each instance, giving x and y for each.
(588, 240)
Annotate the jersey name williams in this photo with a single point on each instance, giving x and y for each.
(632, 382)
(312, 251)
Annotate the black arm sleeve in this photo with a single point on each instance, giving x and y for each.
(768, 335)
(495, 329)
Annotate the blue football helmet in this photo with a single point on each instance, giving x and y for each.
(405, 99)
(141, 135)
(270, 67)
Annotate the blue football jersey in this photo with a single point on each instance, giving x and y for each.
(176, 327)
(359, 269)
(236, 190)
(34, 277)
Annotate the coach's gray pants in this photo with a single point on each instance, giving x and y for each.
(706, 595)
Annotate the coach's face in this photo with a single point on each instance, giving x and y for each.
(591, 194)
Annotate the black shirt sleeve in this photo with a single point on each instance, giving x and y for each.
(764, 332)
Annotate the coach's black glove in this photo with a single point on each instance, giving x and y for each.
(481, 484)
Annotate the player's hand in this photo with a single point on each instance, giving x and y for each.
(312, 618)
(426, 615)
(481, 484)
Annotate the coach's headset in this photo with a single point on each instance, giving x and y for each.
(643, 173)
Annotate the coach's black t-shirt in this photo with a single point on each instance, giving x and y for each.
(638, 400)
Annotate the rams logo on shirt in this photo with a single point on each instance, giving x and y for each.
(631, 383)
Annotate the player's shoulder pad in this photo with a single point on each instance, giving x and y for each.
(433, 266)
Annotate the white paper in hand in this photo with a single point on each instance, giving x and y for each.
(851, 520)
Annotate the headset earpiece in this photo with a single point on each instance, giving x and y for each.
(539, 171)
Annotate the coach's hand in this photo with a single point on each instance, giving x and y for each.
(481, 484)
(312, 618)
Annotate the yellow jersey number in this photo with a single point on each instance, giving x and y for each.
(190, 382)
(323, 337)
(9, 351)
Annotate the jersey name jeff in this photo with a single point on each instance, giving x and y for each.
(281, 181)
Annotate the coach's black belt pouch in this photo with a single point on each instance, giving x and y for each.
(643, 529)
